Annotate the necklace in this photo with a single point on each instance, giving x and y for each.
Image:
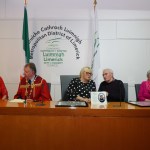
(30, 88)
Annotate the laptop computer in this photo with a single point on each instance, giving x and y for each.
(140, 103)
(71, 104)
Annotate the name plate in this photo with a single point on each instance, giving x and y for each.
(98, 98)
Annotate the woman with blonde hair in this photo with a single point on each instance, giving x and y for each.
(80, 88)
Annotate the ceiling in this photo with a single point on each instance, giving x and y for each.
(124, 4)
(102, 4)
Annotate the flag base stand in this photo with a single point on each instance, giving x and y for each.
(40, 104)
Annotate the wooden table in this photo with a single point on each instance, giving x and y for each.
(32, 127)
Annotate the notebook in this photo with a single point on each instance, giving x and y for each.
(140, 103)
(17, 101)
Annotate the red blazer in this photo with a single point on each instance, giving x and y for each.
(38, 90)
(3, 90)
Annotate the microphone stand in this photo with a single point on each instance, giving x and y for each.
(120, 94)
(25, 100)
(41, 104)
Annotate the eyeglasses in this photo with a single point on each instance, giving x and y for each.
(89, 73)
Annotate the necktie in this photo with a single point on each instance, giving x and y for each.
(29, 81)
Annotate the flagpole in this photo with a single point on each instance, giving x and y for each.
(95, 64)
(94, 3)
(25, 2)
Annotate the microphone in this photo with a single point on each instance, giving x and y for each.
(120, 94)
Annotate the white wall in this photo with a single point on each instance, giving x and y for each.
(124, 40)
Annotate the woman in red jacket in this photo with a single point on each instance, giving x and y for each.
(144, 92)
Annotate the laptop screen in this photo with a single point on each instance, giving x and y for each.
(140, 103)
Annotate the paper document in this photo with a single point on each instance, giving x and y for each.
(17, 100)
(98, 98)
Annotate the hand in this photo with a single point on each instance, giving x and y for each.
(4, 97)
(83, 99)
(29, 100)
(87, 100)
(147, 100)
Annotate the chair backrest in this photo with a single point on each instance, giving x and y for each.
(126, 91)
(137, 87)
(64, 81)
(49, 86)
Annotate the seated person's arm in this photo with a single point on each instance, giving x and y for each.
(93, 88)
(82, 99)
(71, 91)
(4, 91)
(120, 95)
(18, 94)
(45, 93)
(142, 93)
(4, 97)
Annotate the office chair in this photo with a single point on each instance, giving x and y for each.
(49, 86)
(126, 91)
(137, 87)
(64, 81)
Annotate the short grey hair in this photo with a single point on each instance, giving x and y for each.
(109, 70)
(148, 73)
